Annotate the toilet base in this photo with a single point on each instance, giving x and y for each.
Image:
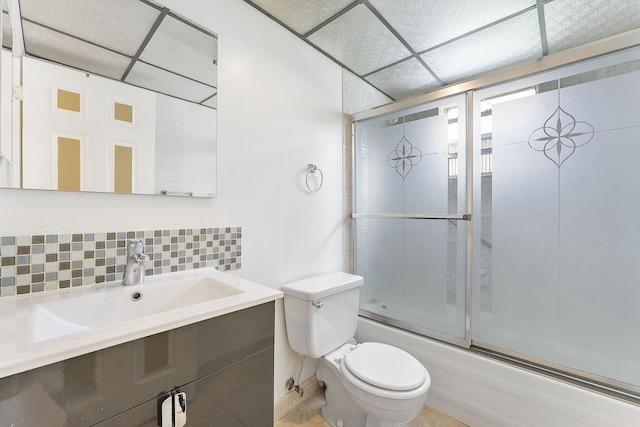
(379, 423)
(333, 419)
(338, 406)
(336, 420)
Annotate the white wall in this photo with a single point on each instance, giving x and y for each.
(279, 109)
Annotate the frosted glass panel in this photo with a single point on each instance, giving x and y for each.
(556, 275)
(414, 269)
(379, 260)
(523, 192)
(396, 163)
(410, 277)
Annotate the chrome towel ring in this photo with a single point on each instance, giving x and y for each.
(312, 173)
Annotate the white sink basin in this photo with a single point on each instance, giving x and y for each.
(125, 303)
(48, 327)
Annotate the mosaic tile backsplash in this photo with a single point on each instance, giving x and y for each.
(48, 262)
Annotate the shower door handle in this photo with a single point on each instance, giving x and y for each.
(459, 217)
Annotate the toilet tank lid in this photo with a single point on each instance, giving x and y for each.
(316, 287)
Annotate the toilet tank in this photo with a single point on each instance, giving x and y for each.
(321, 312)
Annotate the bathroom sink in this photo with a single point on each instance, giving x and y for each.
(47, 327)
(125, 303)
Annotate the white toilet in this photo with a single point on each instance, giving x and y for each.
(367, 385)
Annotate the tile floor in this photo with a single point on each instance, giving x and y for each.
(307, 414)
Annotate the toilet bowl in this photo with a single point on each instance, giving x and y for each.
(372, 385)
(368, 384)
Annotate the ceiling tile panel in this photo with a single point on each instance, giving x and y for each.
(302, 15)
(44, 43)
(211, 102)
(358, 95)
(514, 41)
(571, 23)
(183, 49)
(359, 41)
(121, 25)
(156, 79)
(428, 23)
(404, 79)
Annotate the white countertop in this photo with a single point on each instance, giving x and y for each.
(20, 351)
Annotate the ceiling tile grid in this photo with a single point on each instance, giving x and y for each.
(211, 102)
(159, 80)
(184, 50)
(358, 95)
(398, 48)
(404, 79)
(302, 15)
(425, 24)
(510, 42)
(43, 42)
(133, 41)
(120, 25)
(408, 47)
(360, 41)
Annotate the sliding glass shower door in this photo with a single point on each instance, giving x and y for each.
(561, 283)
(410, 201)
(551, 274)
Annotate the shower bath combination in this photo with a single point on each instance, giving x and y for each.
(542, 163)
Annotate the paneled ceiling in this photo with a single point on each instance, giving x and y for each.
(409, 47)
(395, 48)
(138, 42)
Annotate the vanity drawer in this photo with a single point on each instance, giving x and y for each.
(233, 396)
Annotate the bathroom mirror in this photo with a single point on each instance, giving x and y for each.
(117, 96)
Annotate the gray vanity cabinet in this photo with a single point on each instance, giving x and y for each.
(231, 397)
(224, 365)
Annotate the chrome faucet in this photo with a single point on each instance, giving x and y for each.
(136, 259)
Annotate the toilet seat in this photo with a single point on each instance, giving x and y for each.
(384, 370)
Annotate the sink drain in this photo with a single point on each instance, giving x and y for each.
(136, 296)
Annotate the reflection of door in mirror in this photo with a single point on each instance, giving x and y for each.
(83, 132)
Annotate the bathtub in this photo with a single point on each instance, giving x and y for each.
(480, 391)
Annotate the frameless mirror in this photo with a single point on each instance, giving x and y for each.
(107, 96)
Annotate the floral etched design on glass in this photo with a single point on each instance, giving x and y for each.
(404, 157)
(560, 135)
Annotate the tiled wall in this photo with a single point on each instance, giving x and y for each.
(47, 262)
